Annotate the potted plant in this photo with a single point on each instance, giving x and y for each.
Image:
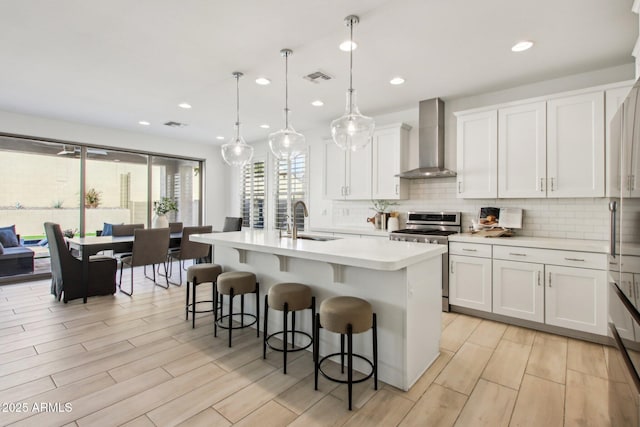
(161, 208)
(92, 198)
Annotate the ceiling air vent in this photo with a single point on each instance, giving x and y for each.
(317, 77)
(175, 124)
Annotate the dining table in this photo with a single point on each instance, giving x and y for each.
(91, 245)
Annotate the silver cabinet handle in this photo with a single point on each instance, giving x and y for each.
(452, 267)
(574, 259)
(459, 186)
(469, 250)
(348, 190)
(552, 179)
(397, 192)
(542, 184)
(538, 277)
(516, 254)
(549, 279)
(342, 190)
(613, 207)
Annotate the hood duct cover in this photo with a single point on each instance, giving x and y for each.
(430, 142)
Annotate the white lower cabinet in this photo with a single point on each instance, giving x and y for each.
(576, 298)
(556, 287)
(470, 282)
(518, 289)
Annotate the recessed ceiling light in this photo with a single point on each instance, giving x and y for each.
(348, 45)
(184, 105)
(220, 137)
(317, 103)
(265, 126)
(396, 81)
(144, 123)
(263, 81)
(522, 46)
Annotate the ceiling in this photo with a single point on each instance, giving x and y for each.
(114, 63)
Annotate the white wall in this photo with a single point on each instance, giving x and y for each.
(569, 218)
(216, 174)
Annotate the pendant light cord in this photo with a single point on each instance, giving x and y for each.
(286, 90)
(238, 104)
(351, 23)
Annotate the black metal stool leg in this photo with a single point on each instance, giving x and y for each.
(316, 349)
(264, 327)
(342, 353)
(216, 295)
(257, 309)
(193, 303)
(350, 363)
(230, 315)
(285, 345)
(313, 329)
(375, 352)
(186, 306)
(242, 311)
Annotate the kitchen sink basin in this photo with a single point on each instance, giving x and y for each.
(308, 237)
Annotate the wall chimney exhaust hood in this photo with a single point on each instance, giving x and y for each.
(430, 142)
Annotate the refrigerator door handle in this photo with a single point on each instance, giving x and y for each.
(613, 207)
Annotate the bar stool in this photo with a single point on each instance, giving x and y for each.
(196, 275)
(287, 297)
(234, 283)
(346, 316)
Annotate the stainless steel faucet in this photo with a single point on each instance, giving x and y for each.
(294, 232)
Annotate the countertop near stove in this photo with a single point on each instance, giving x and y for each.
(376, 254)
(362, 231)
(598, 246)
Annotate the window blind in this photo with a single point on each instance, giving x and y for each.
(252, 197)
(289, 190)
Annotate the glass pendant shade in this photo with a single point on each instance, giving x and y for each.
(352, 131)
(286, 143)
(237, 152)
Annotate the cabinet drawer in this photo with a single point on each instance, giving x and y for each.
(470, 249)
(551, 256)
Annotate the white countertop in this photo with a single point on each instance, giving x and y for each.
(368, 231)
(375, 254)
(599, 246)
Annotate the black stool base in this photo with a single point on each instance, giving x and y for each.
(337, 380)
(292, 349)
(220, 324)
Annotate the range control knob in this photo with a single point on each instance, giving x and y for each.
(415, 240)
(435, 242)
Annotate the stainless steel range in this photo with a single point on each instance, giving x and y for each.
(432, 228)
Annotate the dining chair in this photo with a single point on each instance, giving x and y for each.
(120, 230)
(189, 250)
(232, 223)
(150, 247)
(66, 270)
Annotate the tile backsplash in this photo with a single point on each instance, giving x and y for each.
(577, 218)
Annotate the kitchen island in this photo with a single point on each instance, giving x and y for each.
(402, 281)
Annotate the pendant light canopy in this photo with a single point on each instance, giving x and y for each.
(237, 152)
(286, 143)
(352, 131)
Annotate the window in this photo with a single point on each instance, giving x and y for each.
(288, 191)
(252, 197)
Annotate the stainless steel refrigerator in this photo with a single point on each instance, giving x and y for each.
(623, 358)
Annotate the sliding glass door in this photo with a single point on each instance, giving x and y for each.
(180, 180)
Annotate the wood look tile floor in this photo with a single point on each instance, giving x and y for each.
(136, 362)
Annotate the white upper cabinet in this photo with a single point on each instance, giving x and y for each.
(390, 153)
(368, 173)
(334, 171)
(477, 154)
(575, 146)
(522, 150)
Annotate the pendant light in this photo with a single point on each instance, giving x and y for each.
(286, 143)
(237, 152)
(352, 131)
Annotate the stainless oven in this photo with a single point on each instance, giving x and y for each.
(432, 228)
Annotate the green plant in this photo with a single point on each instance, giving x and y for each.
(165, 205)
(382, 205)
(92, 198)
(58, 204)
